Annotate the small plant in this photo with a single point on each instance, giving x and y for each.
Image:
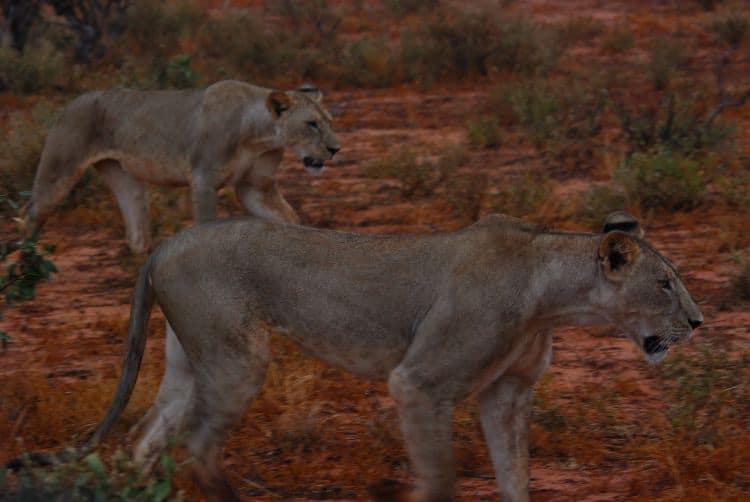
(31, 71)
(619, 38)
(484, 132)
(599, 201)
(19, 278)
(663, 179)
(91, 478)
(666, 57)
(522, 195)
(20, 149)
(178, 74)
(732, 29)
(741, 280)
(369, 62)
(416, 176)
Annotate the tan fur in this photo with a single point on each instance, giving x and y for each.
(229, 134)
(438, 316)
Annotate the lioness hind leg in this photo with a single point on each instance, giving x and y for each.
(132, 198)
(166, 418)
(62, 163)
(227, 376)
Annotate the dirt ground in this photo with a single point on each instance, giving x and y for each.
(337, 433)
(318, 433)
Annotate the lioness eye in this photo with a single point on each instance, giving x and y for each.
(314, 125)
(666, 284)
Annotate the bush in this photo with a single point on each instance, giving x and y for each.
(243, 43)
(476, 42)
(91, 478)
(484, 132)
(597, 202)
(675, 121)
(30, 72)
(21, 147)
(560, 118)
(732, 29)
(663, 179)
(523, 195)
(369, 62)
(741, 280)
(416, 176)
(619, 38)
(666, 58)
(157, 28)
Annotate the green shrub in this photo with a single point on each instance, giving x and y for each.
(23, 139)
(666, 58)
(403, 7)
(416, 176)
(158, 27)
(599, 201)
(484, 132)
(30, 72)
(732, 29)
(708, 5)
(675, 121)
(663, 179)
(476, 42)
(243, 43)
(93, 479)
(369, 62)
(741, 281)
(177, 74)
(522, 195)
(580, 29)
(560, 118)
(619, 38)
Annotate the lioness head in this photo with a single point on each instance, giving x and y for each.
(641, 291)
(303, 125)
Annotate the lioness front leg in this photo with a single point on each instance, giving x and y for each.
(203, 195)
(259, 193)
(266, 203)
(505, 407)
(426, 424)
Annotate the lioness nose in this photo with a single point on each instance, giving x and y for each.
(333, 150)
(694, 323)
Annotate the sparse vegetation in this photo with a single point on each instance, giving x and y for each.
(93, 479)
(417, 176)
(619, 38)
(663, 179)
(741, 280)
(484, 132)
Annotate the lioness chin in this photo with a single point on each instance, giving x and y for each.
(438, 316)
(228, 134)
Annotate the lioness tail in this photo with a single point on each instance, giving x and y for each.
(143, 301)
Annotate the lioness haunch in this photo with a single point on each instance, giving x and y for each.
(438, 316)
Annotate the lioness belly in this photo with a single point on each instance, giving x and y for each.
(372, 356)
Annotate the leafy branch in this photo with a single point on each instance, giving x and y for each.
(19, 278)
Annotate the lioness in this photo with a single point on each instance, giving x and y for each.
(439, 316)
(230, 133)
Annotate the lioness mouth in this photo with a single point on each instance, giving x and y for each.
(653, 344)
(312, 163)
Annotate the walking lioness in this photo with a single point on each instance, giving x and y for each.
(230, 133)
(439, 316)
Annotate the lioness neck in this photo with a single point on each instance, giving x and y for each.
(564, 283)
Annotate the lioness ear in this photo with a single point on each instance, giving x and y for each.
(311, 92)
(625, 222)
(277, 103)
(617, 253)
